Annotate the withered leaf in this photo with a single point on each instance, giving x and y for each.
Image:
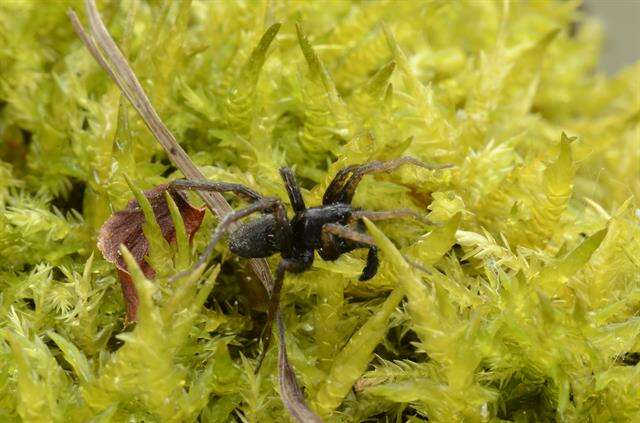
(125, 227)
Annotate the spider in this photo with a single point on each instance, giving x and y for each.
(334, 228)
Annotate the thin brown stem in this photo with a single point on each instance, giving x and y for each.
(106, 52)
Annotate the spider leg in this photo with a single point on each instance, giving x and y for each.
(348, 233)
(334, 188)
(359, 240)
(241, 191)
(260, 205)
(330, 249)
(293, 189)
(347, 189)
(385, 215)
(371, 268)
(286, 265)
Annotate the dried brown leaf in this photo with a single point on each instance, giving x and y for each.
(125, 228)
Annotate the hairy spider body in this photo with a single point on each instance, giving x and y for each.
(307, 225)
(332, 229)
(263, 237)
(257, 238)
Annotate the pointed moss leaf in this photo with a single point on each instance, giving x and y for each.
(241, 102)
(105, 416)
(184, 292)
(397, 149)
(86, 273)
(388, 96)
(558, 177)
(258, 56)
(330, 300)
(521, 84)
(402, 391)
(205, 289)
(555, 275)
(144, 288)
(444, 206)
(433, 246)
(316, 67)
(387, 247)
(564, 391)
(351, 362)
(74, 356)
(182, 239)
(414, 86)
(378, 83)
(188, 296)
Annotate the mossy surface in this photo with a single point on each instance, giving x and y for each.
(529, 309)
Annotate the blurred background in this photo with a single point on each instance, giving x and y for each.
(621, 19)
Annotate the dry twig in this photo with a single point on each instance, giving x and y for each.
(106, 53)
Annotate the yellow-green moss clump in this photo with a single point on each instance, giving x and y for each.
(529, 311)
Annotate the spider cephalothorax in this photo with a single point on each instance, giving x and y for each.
(333, 228)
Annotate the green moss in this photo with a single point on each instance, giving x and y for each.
(529, 307)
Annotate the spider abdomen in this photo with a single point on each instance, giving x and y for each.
(257, 238)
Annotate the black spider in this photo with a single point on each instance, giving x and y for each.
(327, 228)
